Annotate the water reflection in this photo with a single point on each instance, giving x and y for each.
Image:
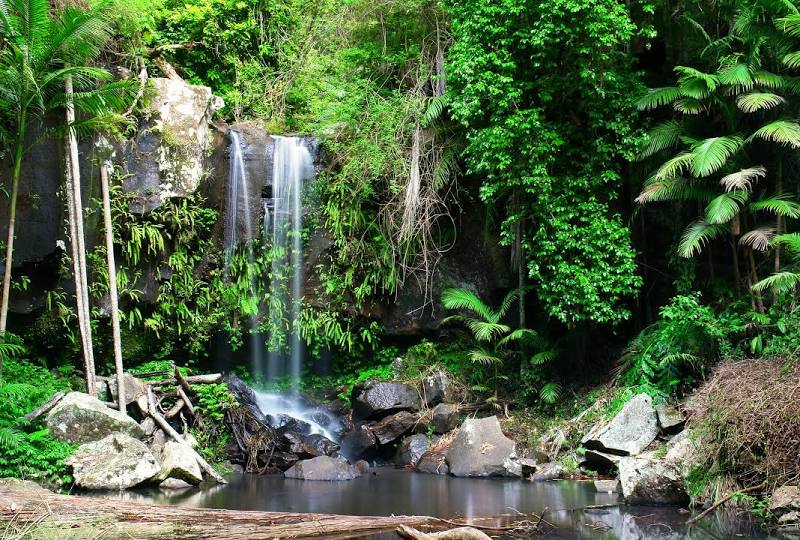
(574, 508)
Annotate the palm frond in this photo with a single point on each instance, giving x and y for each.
(768, 79)
(664, 135)
(675, 166)
(780, 282)
(786, 132)
(779, 205)
(709, 155)
(792, 60)
(520, 334)
(486, 331)
(484, 357)
(550, 392)
(544, 357)
(697, 235)
(690, 106)
(737, 75)
(694, 83)
(758, 239)
(758, 101)
(790, 25)
(791, 241)
(508, 301)
(743, 179)
(460, 298)
(672, 189)
(434, 110)
(658, 97)
(724, 207)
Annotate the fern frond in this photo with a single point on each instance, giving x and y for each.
(10, 438)
(784, 132)
(743, 179)
(758, 101)
(544, 357)
(520, 334)
(711, 154)
(486, 331)
(434, 110)
(724, 207)
(697, 235)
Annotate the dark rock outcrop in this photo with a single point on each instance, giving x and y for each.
(444, 418)
(437, 388)
(378, 399)
(358, 443)
(433, 463)
(411, 450)
(393, 427)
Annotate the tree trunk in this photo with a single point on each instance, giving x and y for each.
(112, 285)
(12, 219)
(79, 247)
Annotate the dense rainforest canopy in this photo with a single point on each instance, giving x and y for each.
(633, 164)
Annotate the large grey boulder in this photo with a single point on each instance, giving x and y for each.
(179, 461)
(379, 399)
(670, 419)
(481, 449)
(546, 471)
(168, 159)
(80, 418)
(649, 481)
(411, 450)
(322, 468)
(116, 462)
(444, 417)
(629, 432)
(358, 442)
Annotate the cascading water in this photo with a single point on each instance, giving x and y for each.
(239, 199)
(292, 166)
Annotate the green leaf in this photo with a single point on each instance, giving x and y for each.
(550, 392)
(792, 60)
(788, 240)
(484, 357)
(675, 166)
(486, 331)
(664, 135)
(544, 357)
(779, 205)
(782, 282)
(784, 132)
(710, 155)
(689, 106)
(672, 189)
(724, 208)
(694, 83)
(465, 299)
(758, 101)
(737, 75)
(658, 97)
(767, 79)
(697, 235)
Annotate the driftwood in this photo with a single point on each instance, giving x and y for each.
(461, 533)
(183, 397)
(175, 409)
(42, 514)
(211, 378)
(45, 407)
(722, 501)
(169, 430)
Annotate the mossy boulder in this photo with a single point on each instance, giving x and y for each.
(116, 462)
(81, 418)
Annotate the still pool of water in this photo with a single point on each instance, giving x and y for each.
(574, 509)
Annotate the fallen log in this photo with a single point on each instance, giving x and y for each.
(45, 407)
(42, 514)
(210, 378)
(182, 395)
(460, 533)
(175, 409)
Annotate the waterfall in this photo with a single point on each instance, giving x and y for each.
(239, 199)
(292, 165)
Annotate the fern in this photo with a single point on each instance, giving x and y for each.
(550, 392)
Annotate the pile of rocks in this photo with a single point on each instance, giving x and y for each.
(624, 445)
(115, 451)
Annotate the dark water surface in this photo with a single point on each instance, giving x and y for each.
(573, 508)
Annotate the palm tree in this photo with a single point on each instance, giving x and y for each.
(42, 68)
(494, 337)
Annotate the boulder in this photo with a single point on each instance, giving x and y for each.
(319, 445)
(393, 427)
(528, 466)
(433, 463)
(546, 472)
(411, 450)
(179, 461)
(607, 486)
(670, 419)
(80, 418)
(379, 399)
(134, 387)
(116, 462)
(682, 451)
(600, 461)
(481, 449)
(322, 468)
(785, 500)
(174, 483)
(158, 441)
(437, 388)
(444, 418)
(649, 481)
(629, 432)
(148, 425)
(358, 442)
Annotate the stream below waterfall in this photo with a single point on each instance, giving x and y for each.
(574, 508)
